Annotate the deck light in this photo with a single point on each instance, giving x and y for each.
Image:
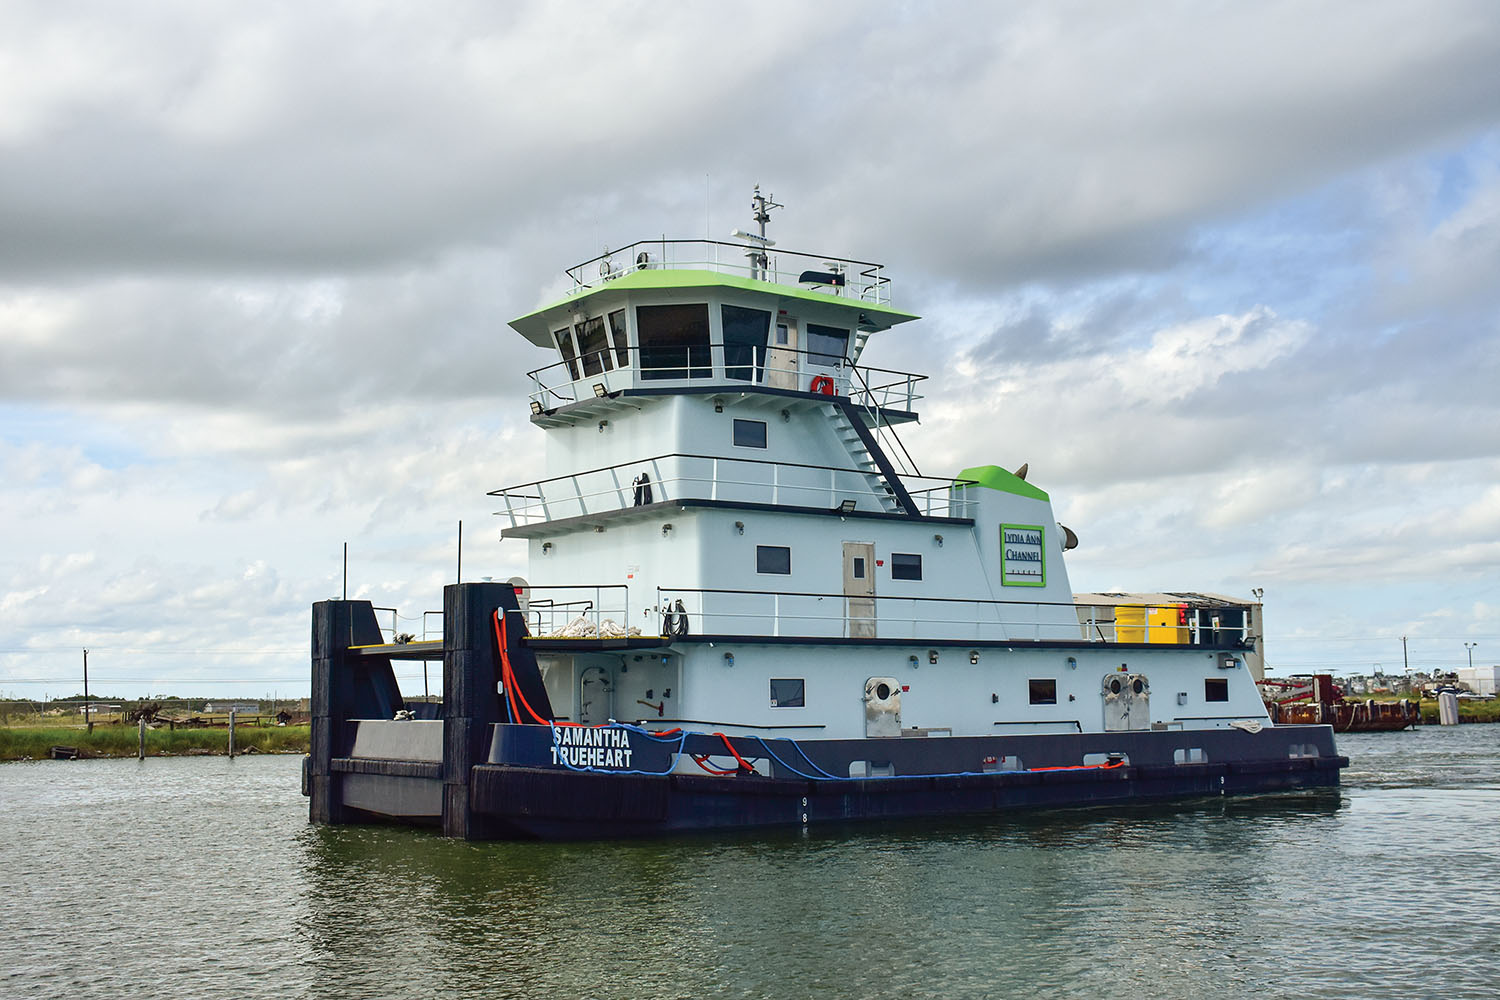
(599, 390)
(739, 526)
(932, 656)
(1072, 663)
(973, 656)
(728, 660)
(938, 539)
(846, 506)
(912, 659)
(666, 530)
(546, 547)
(536, 408)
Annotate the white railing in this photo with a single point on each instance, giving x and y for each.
(821, 615)
(678, 477)
(570, 380)
(579, 611)
(861, 280)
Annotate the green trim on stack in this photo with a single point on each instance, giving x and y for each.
(995, 478)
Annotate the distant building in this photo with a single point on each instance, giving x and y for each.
(225, 707)
(1480, 680)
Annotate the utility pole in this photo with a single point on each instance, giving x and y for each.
(87, 721)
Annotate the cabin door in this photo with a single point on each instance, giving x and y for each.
(595, 696)
(859, 589)
(781, 358)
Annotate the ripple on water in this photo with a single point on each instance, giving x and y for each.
(201, 876)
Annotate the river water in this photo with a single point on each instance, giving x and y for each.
(199, 876)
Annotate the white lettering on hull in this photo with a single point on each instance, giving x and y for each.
(605, 749)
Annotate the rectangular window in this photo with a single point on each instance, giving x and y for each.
(745, 332)
(749, 433)
(788, 692)
(621, 337)
(1216, 689)
(859, 567)
(773, 559)
(1043, 692)
(826, 345)
(674, 341)
(564, 338)
(906, 566)
(593, 346)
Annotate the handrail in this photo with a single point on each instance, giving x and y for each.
(1076, 626)
(876, 286)
(723, 458)
(536, 501)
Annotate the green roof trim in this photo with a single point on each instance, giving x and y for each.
(995, 478)
(655, 277)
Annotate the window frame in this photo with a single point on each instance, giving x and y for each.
(764, 432)
(801, 696)
(762, 551)
(1214, 688)
(906, 555)
(1036, 688)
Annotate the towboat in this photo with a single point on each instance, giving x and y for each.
(747, 607)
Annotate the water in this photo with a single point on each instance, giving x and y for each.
(200, 876)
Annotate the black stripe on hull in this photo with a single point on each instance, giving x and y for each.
(553, 804)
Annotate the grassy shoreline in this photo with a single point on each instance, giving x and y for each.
(35, 742)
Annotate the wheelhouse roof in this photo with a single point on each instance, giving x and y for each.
(536, 326)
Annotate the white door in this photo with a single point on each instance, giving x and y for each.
(859, 589)
(781, 357)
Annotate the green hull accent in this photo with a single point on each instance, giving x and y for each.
(883, 317)
(995, 478)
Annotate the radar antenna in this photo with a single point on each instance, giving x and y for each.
(761, 205)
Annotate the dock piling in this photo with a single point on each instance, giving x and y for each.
(140, 752)
(231, 734)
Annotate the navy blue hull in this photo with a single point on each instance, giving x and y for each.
(545, 803)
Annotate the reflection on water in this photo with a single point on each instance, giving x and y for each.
(201, 876)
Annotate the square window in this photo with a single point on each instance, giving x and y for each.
(906, 566)
(788, 692)
(750, 433)
(773, 559)
(1216, 689)
(1043, 692)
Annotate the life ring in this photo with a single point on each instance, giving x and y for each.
(822, 384)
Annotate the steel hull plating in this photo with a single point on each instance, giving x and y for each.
(542, 803)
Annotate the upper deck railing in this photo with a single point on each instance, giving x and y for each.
(859, 280)
(610, 370)
(679, 477)
(787, 614)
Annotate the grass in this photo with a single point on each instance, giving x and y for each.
(34, 742)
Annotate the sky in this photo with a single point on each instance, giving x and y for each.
(1224, 275)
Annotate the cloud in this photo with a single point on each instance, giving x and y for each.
(1222, 275)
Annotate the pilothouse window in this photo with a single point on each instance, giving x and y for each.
(674, 341)
(593, 345)
(622, 338)
(826, 345)
(745, 332)
(564, 339)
